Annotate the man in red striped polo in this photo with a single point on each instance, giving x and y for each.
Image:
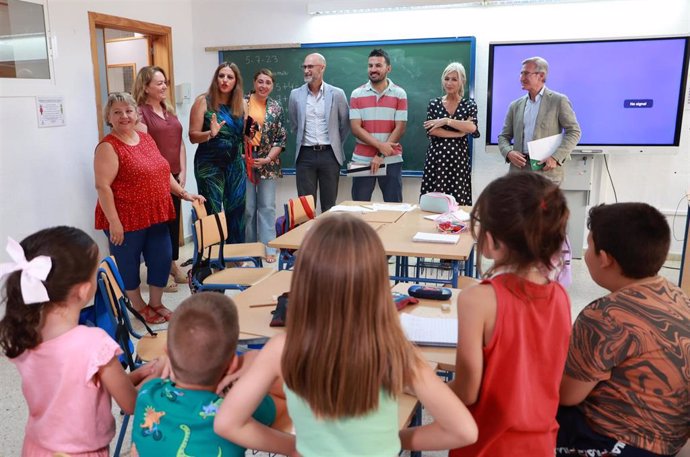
(378, 116)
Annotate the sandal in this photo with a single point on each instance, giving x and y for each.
(171, 287)
(162, 311)
(151, 316)
(179, 276)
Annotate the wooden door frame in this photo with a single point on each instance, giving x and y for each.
(160, 39)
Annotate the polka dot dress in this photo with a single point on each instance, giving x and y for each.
(447, 165)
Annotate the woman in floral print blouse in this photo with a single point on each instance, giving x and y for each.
(268, 140)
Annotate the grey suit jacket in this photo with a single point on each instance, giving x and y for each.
(337, 117)
(555, 115)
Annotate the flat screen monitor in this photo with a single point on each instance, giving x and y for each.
(626, 93)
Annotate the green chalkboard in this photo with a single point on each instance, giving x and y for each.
(416, 67)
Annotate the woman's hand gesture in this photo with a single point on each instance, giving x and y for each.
(215, 126)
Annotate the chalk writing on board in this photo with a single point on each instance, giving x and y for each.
(266, 59)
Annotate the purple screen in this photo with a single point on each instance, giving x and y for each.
(627, 92)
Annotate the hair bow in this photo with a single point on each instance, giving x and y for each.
(33, 272)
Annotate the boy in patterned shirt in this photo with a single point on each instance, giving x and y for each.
(176, 417)
(625, 387)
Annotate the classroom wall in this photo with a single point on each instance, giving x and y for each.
(661, 180)
(46, 174)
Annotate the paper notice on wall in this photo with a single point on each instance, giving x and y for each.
(50, 111)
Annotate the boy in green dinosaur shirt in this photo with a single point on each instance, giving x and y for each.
(176, 417)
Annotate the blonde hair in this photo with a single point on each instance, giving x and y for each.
(344, 343)
(144, 78)
(460, 70)
(202, 338)
(236, 96)
(117, 97)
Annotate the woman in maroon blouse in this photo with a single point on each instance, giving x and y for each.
(157, 118)
(134, 184)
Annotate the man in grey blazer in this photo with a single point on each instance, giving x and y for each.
(538, 114)
(319, 117)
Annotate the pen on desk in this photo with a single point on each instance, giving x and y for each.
(262, 305)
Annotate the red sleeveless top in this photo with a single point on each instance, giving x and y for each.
(523, 365)
(141, 188)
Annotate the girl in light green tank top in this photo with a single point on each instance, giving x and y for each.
(344, 359)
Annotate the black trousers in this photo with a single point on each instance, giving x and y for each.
(318, 171)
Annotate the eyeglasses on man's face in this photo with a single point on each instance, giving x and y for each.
(310, 67)
(527, 73)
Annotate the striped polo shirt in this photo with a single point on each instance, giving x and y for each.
(378, 112)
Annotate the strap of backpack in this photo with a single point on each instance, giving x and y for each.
(307, 207)
(128, 304)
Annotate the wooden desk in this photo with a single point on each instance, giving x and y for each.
(396, 229)
(293, 239)
(445, 357)
(255, 320)
(397, 239)
(386, 217)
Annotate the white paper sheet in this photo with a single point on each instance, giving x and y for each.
(424, 237)
(430, 331)
(350, 209)
(404, 207)
(459, 214)
(543, 148)
(363, 173)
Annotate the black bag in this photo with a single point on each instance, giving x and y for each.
(199, 272)
(280, 313)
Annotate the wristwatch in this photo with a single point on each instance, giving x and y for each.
(380, 154)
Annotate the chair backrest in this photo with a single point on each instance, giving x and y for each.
(210, 230)
(299, 210)
(198, 210)
(106, 311)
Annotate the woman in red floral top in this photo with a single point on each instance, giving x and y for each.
(134, 184)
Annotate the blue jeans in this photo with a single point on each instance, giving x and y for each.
(154, 243)
(260, 212)
(390, 185)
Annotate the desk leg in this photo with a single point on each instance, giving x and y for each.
(455, 268)
(469, 264)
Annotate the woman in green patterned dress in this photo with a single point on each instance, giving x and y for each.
(216, 123)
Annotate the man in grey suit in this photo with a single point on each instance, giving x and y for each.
(539, 114)
(319, 116)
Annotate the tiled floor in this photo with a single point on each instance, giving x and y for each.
(13, 412)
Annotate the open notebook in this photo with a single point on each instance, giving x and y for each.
(430, 331)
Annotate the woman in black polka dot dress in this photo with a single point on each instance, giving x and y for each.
(450, 119)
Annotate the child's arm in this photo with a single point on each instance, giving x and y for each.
(476, 321)
(234, 419)
(573, 391)
(453, 424)
(153, 369)
(240, 364)
(119, 385)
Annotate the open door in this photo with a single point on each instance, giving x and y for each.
(160, 48)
